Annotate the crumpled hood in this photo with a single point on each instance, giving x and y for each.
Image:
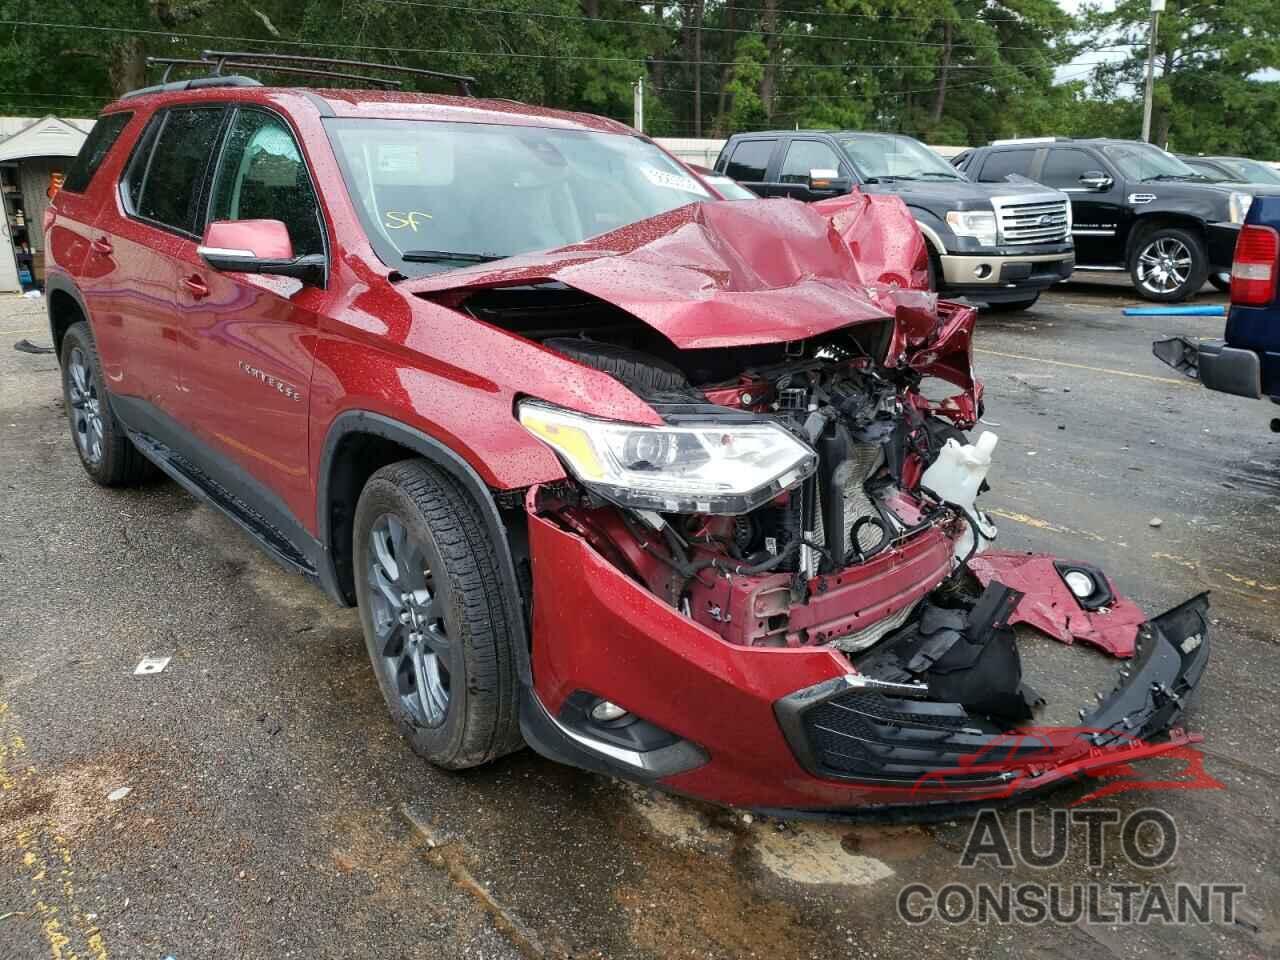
(732, 273)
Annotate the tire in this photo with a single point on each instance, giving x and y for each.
(1168, 265)
(935, 269)
(426, 569)
(1013, 306)
(106, 452)
(1220, 282)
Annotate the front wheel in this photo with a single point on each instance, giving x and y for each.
(434, 620)
(1169, 265)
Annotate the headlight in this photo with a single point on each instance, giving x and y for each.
(979, 224)
(726, 468)
(1240, 204)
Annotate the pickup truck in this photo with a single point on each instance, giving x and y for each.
(1246, 362)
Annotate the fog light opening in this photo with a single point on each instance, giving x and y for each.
(1081, 584)
(606, 711)
(982, 271)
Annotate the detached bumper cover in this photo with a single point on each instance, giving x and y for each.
(1229, 369)
(744, 721)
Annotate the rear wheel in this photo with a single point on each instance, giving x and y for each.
(106, 452)
(434, 620)
(1169, 265)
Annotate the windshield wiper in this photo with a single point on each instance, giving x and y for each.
(1173, 176)
(939, 173)
(447, 256)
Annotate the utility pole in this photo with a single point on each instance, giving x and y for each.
(637, 90)
(1156, 7)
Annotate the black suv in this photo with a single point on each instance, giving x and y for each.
(997, 245)
(1134, 206)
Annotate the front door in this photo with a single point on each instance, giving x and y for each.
(249, 340)
(801, 159)
(1097, 211)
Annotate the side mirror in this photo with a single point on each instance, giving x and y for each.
(828, 181)
(258, 246)
(1095, 180)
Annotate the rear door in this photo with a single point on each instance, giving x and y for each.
(248, 340)
(749, 163)
(1098, 214)
(130, 273)
(801, 157)
(998, 165)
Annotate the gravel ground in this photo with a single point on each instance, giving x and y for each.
(272, 812)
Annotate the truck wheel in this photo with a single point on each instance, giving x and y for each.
(106, 452)
(434, 620)
(1013, 306)
(1169, 265)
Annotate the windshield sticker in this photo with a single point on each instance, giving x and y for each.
(401, 221)
(671, 181)
(397, 157)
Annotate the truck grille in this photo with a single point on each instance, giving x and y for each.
(1044, 219)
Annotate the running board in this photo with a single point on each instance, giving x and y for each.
(202, 486)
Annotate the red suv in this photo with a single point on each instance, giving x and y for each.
(611, 468)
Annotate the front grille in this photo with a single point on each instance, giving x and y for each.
(1044, 219)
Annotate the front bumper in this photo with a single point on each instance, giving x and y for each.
(740, 721)
(1002, 275)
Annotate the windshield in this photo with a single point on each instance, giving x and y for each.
(440, 195)
(883, 156)
(1142, 161)
(1251, 171)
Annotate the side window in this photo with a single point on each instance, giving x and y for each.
(94, 150)
(170, 190)
(750, 160)
(1004, 162)
(806, 155)
(1064, 168)
(262, 176)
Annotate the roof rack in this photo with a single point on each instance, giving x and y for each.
(216, 61)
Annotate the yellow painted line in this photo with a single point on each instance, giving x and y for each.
(46, 856)
(1039, 524)
(1207, 576)
(1083, 366)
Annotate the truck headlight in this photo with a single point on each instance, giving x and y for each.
(1240, 204)
(979, 224)
(720, 468)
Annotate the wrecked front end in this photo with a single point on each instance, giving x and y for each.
(779, 593)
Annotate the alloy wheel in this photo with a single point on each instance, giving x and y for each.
(1164, 265)
(408, 620)
(86, 407)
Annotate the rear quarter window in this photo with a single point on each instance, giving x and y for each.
(94, 150)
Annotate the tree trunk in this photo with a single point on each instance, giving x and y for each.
(768, 80)
(658, 71)
(940, 100)
(1160, 119)
(128, 68)
(727, 45)
(591, 8)
(698, 9)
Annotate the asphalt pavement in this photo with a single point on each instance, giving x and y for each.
(252, 800)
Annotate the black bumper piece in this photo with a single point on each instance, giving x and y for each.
(854, 729)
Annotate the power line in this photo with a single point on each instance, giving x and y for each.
(782, 34)
(805, 14)
(313, 44)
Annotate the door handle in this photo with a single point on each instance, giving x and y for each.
(196, 286)
(102, 245)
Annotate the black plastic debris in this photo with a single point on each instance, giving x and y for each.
(26, 346)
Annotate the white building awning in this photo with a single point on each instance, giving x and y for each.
(50, 137)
